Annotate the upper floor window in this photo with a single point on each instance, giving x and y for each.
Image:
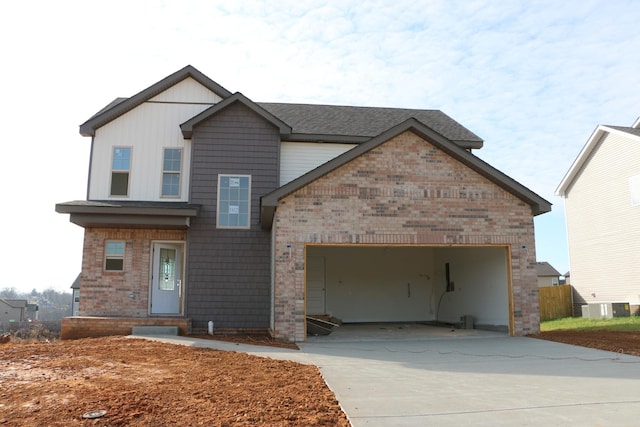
(171, 168)
(114, 256)
(120, 168)
(234, 201)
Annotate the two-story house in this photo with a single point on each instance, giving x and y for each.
(601, 192)
(204, 205)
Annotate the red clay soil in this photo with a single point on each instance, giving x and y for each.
(620, 342)
(145, 383)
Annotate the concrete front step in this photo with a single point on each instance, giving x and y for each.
(154, 330)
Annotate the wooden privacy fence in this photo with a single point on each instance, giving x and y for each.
(555, 302)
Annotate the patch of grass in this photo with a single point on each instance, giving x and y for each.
(631, 324)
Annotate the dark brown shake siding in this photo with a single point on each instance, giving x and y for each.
(228, 271)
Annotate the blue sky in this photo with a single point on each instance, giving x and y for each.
(532, 78)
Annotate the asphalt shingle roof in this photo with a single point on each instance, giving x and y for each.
(632, 131)
(368, 122)
(543, 268)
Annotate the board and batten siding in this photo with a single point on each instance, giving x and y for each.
(603, 225)
(148, 129)
(229, 270)
(298, 158)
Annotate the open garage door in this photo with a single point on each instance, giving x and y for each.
(364, 283)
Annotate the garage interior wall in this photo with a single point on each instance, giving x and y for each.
(480, 283)
(408, 284)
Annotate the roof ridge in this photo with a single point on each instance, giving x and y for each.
(350, 106)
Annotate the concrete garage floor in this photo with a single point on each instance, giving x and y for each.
(418, 375)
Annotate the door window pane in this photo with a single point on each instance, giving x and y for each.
(167, 271)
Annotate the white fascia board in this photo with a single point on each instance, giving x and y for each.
(579, 161)
(596, 136)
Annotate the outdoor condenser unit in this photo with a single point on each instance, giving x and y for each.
(606, 310)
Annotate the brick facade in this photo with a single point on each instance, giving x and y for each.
(91, 327)
(405, 191)
(119, 293)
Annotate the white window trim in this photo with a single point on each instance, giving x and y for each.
(111, 171)
(179, 173)
(248, 226)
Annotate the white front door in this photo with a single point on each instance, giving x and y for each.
(316, 285)
(166, 279)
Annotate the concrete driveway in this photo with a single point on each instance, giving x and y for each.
(417, 375)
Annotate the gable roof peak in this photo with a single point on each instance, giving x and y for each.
(270, 201)
(187, 127)
(598, 135)
(116, 109)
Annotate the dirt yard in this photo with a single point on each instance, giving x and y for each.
(620, 342)
(144, 383)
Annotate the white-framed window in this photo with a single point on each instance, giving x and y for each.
(234, 201)
(634, 188)
(120, 169)
(171, 170)
(114, 256)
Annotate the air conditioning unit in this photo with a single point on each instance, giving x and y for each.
(606, 310)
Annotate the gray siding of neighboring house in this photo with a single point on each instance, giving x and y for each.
(228, 271)
(9, 313)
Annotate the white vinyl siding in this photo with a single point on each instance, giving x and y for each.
(603, 226)
(298, 158)
(149, 129)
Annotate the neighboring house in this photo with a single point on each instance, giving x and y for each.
(75, 296)
(14, 310)
(204, 205)
(601, 194)
(547, 275)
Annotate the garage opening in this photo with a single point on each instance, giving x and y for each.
(431, 284)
